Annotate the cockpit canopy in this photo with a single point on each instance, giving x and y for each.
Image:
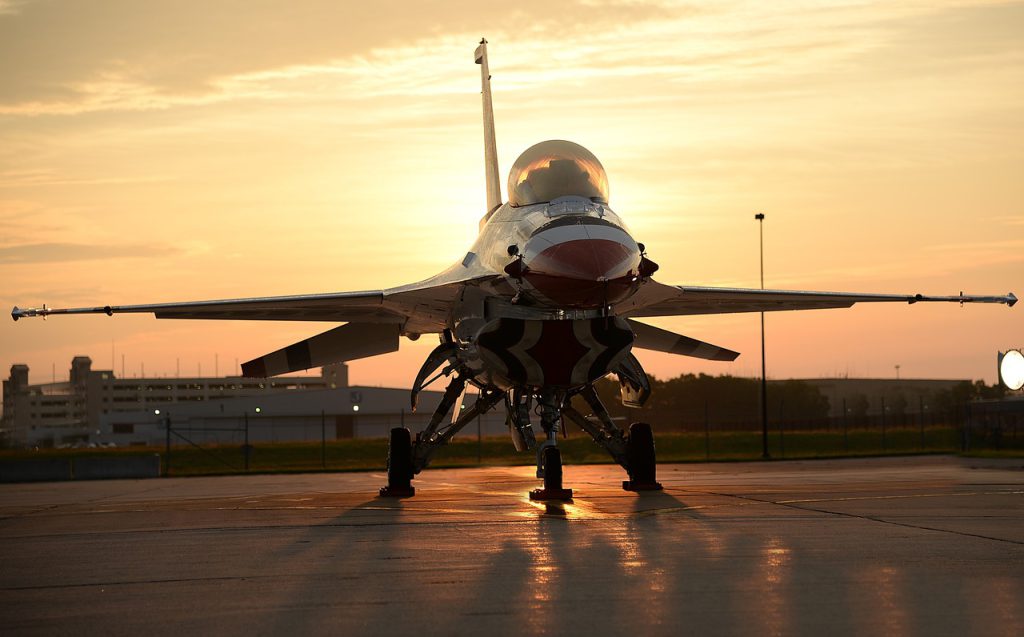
(553, 169)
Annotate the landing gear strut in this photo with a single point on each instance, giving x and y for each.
(549, 458)
(407, 458)
(634, 453)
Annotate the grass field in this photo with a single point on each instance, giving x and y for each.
(369, 454)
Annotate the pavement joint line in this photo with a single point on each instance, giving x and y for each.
(52, 507)
(518, 517)
(869, 518)
(178, 580)
(900, 497)
(517, 521)
(239, 578)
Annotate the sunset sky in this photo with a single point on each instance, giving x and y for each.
(172, 151)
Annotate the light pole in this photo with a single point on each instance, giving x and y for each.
(764, 379)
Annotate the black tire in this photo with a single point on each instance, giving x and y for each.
(400, 458)
(640, 454)
(552, 469)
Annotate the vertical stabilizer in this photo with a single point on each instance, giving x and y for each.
(490, 146)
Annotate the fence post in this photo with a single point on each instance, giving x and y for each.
(245, 447)
(967, 426)
(846, 439)
(884, 444)
(920, 415)
(961, 427)
(707, 432)
(782, 430)
(998, 437)
(167, 451)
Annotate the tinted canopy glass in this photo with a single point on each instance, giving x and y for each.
(554, 169)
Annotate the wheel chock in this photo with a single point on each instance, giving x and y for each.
(634, 485)
(397, 492)
(544, 495)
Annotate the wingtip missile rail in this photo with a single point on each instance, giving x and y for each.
(44, 311)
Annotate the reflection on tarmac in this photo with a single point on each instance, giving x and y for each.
(897, 547)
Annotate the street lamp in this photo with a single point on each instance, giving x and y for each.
(764, 379)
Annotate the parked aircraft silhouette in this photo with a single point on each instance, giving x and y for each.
(542, 306)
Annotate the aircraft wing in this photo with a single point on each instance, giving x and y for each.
(658, 299)
(419, 308)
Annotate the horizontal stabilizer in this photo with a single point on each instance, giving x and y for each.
(659, 340)
(345, 343)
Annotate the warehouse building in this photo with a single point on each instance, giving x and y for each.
(94, 406)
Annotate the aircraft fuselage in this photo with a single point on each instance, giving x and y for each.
(565, 263)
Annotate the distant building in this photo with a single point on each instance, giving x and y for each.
(353, 412)
(96, 406)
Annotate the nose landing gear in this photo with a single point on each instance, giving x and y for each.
(549, 458)
(553, 490)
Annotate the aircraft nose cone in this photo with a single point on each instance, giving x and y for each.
(582, 265)
(584, 259)
(582, 251)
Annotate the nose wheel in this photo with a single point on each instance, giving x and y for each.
(552, 490)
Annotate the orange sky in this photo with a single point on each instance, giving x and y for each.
(171, 151)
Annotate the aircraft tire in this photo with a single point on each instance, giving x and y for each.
(552, 469)
(400, 459)
(640, 454)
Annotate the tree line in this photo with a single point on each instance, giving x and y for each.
(692, 401)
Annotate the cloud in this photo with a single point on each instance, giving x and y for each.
(11, 7)
(55, 296)
(101, 52)
(64, 252)
(36, 178)
(929, 263)
(120, 55)
(1008, 220)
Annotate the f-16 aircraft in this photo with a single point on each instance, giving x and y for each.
(542, 306)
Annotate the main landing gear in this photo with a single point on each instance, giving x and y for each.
(641, 465)
(400, 470)
(407, 457)
(634, 452)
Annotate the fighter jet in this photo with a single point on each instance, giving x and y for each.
(543, 305)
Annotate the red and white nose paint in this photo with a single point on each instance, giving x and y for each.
(581, 265)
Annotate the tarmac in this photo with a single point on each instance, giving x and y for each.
(894, 546)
